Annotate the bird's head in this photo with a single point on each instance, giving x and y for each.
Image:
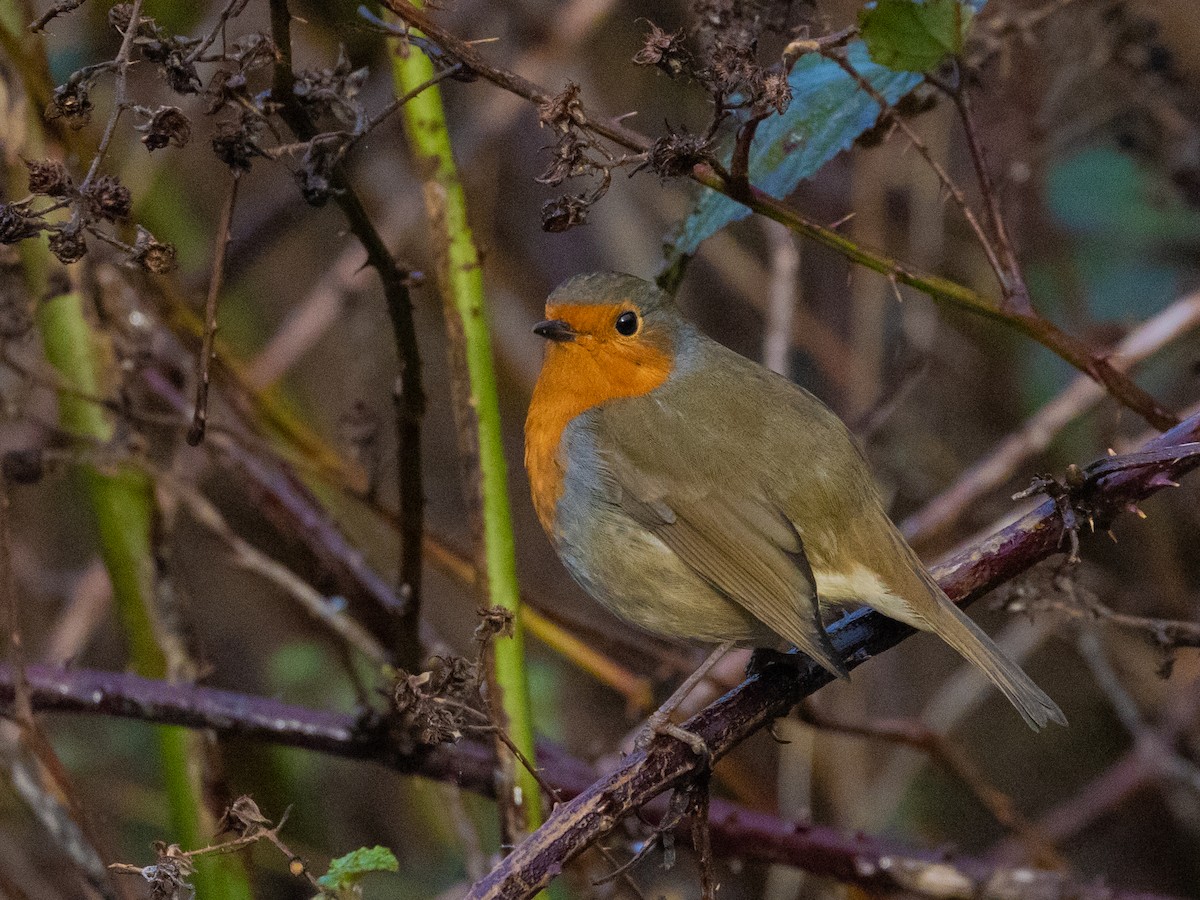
(622, 325)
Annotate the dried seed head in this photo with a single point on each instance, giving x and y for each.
(17, 224)
(67, 243)
(676, 153)
(153, 256)
(71, 101)
(494, 622)
(243, 817)
(433, 705)
(235, 143)
(570, 159)
(564, 213)
(107, 198)
(776, 92)
(49, 177)
(563, 109)
(315, 175)
(167, 125)
(665, 50)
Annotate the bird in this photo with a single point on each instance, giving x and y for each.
(701, 496)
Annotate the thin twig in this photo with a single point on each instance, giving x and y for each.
(409, 393)
(232, 9)
(122, 62)
(915, 734)
(960, 199)
(1035, 434)
(204, 360)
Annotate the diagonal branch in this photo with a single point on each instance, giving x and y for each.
(1071, 349)
(771, 692)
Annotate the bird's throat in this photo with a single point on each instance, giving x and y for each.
(577, 377)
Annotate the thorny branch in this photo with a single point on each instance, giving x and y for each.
(772, 691)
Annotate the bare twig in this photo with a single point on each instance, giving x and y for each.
(204, 360)
(948, 753)
(960, 199)
(122, 62)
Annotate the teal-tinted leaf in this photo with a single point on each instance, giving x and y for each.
(828, 111)
(912, 36)
(1105, 193)
(346, 871)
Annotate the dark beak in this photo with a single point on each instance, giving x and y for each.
(554, 330)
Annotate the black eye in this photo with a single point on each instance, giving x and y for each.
(627, 323)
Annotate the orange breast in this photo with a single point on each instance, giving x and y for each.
(577, 376)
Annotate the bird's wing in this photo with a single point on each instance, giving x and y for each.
(740, 543)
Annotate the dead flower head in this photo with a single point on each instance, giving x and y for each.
(433, 706)
(243, 818)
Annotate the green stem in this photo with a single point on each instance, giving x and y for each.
(460, 280)
(122, 505)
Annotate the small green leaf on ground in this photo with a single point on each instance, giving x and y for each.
(346, 871)
(911, 36)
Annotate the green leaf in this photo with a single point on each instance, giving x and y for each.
(346, 871)
(909, 36)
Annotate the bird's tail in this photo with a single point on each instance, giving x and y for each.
(957, 630)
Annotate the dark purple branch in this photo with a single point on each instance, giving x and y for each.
(763, 697)
(736, 831)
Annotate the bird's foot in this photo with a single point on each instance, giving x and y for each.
(660, 723)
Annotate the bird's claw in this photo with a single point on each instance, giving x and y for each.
(660, 725)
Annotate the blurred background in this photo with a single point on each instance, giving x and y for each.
(1090, 114)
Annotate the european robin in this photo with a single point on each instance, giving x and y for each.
(701, 496)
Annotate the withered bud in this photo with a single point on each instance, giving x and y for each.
(168, 876)
(17, 224)
(67, 243)
(563, 109)
(22, 466)
(72, 102)
(663, 49)
(570, 159)
(235, 144)
(776, 92)
(153, 256)
(167, 126)
(676, 153)
(107, 198)
(242, 818)
(423, 714)
(494, 622)
(564, 213)
(49, 177)
(315, 175)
